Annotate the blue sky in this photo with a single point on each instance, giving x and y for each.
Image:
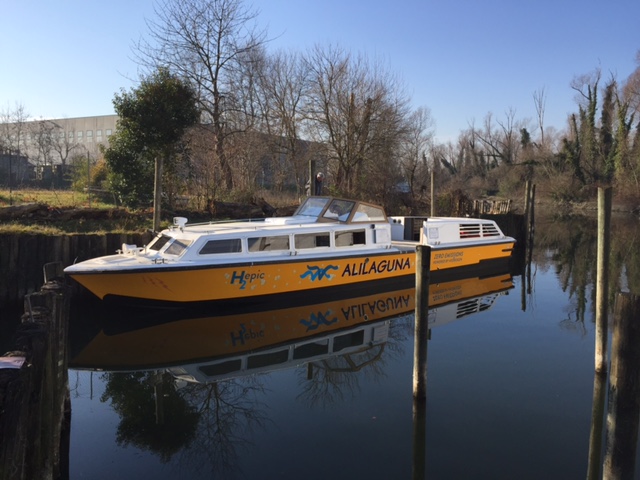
(462, 59)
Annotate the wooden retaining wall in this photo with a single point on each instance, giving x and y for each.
(22, 257)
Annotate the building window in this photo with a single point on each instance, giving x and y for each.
(80, 136)
(70, 135)
(108, 132)
(89, 135)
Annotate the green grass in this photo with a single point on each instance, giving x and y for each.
(65, 199)
(53, 198)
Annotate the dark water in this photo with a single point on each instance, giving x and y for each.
(509, 389)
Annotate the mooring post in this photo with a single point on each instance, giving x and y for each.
(421, 338)
(597, 423)
(423, 266)
(527, 200)
(433, 194)
(602, 277)
(419, 439)
(157, 193)
(38, 397)
(624, 390)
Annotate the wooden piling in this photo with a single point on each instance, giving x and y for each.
(433, 194)
(421, 334)
(597, 426)
(602, 277)
(419, 440)
(623, 410)
(36, 399)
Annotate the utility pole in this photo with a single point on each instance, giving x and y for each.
(89, 177)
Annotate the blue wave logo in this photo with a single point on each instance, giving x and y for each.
(315, 321)
(317, 273)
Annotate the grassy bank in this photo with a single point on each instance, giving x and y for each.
(67, 211)
(53, 198)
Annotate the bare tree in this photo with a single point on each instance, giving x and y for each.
(501, 142)
(357, 109)
(284, 85)
(64, 146)
(203, 42)
(13, 140)
(415, 147)
(13, 129)
(43, 134)
(540, 100)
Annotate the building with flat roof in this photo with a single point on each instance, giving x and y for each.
(56, 141)
(48, 146)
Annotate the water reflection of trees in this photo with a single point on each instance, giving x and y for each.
(569, 246)
(207, 426)
(229, 411)
(133, 397)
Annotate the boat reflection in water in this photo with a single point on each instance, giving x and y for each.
(209, 349)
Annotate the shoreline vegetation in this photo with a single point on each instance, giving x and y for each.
(66, 212)
(51, 212)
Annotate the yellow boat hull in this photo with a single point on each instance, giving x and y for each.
(187, 284)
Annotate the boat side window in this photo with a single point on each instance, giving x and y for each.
(268, 244)
(350, 237)
(269, 358)
(158, 242)
(178, 247)
(311, 240)
(230, 366)
(348, 340)
(227, 245)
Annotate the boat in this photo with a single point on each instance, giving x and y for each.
(327, 243)
(272, 338)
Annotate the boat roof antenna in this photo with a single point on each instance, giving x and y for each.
(179, 222)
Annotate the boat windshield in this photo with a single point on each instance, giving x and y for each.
(159, 242)
(178, 247)
(340, 209)
(312, 206)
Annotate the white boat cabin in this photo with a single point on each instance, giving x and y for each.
(321, 225)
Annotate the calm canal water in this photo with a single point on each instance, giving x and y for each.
(509, 389)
